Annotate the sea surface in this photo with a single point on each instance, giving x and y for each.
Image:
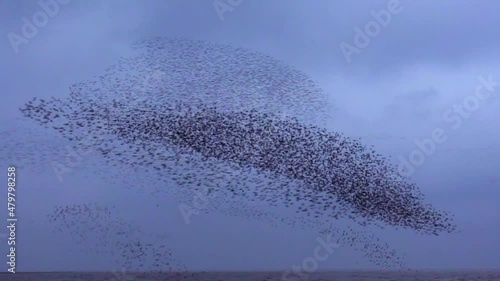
(485, 275)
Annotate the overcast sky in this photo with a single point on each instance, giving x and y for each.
(397, 88)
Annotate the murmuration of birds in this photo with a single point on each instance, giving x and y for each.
(244, 123)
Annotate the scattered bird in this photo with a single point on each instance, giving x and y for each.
(99, 229)
(246, 126)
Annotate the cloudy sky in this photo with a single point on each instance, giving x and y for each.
(420, 73)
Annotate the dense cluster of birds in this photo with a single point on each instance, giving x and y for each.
(339, 173)
(244, 126)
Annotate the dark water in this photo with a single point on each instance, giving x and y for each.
(484, 275)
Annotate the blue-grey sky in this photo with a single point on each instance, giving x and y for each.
(398, 89)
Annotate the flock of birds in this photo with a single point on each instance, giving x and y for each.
(244, 127)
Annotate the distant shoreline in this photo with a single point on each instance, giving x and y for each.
(344, 275)
(276, 271)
